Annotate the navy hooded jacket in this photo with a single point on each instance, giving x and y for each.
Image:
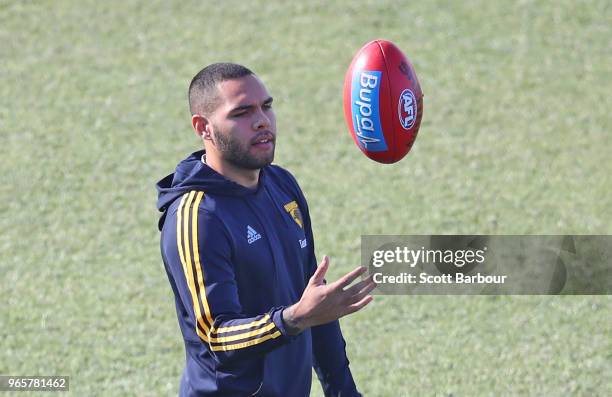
(235, 258)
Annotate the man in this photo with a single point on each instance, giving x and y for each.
(253, 306)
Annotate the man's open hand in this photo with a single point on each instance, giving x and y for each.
(321, 303)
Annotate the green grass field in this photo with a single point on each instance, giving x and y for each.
(514, 140)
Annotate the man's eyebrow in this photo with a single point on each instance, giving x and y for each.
(248, 107)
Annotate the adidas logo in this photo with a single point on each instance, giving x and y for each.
(252, 235)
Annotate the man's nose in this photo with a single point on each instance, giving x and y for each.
(262, 121)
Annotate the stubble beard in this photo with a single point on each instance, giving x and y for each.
(239, 156)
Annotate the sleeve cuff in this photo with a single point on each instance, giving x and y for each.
(277, 318)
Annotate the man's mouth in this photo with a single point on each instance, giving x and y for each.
(263, 140)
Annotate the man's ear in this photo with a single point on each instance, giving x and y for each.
(201, 126)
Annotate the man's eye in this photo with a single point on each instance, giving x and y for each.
(267, 105)
(239, 114)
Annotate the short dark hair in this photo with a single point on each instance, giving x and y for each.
(203, 88)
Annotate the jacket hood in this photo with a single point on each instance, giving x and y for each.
(193, 174)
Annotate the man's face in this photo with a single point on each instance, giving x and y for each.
(243, 124)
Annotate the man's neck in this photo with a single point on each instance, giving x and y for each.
(242, 176)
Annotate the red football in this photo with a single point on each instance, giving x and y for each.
(383, 102)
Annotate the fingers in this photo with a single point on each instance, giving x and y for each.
(323, 303)
(363, 292)
(319, 274)
(357, 295)
(359, 305)
(348, 278)
(352, 290)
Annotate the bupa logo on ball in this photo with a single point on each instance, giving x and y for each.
(407, 109)
(365, 89)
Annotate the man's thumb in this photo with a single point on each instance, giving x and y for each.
(319, 274)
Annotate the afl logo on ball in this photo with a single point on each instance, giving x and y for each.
(407, 109)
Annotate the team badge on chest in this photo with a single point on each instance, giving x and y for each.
(293, 210)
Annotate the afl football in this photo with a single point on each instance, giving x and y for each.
(383, 102)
